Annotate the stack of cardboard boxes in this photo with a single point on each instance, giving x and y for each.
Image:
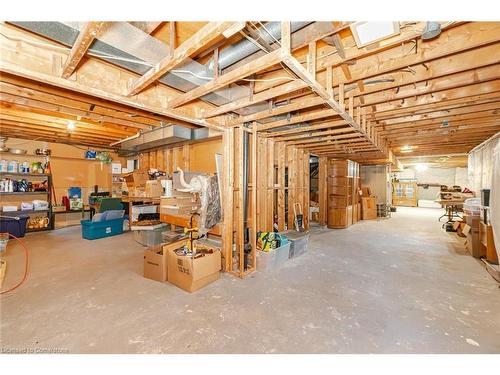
(479, 243)
(162, 263)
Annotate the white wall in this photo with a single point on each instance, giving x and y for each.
(442, 176)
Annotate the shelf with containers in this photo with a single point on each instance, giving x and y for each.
(39, 219)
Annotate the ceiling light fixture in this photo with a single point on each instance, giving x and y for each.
(370, 32)
(71, 125)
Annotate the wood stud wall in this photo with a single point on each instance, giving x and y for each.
(166, 159)
(266, 204)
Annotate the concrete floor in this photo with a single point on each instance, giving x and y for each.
(401, 285)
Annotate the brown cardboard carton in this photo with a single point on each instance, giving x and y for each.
(155, 263)
(472, 221)
(473, 243)
(368, 208)
(192, 274)
(153, 189)
(155, 260)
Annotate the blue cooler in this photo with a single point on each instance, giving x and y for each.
(100, 229)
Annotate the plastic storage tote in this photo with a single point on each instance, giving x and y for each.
(101, 229)
(274, 259)
(472, 206)
(149, 237)
(299, 242)
(14, 225)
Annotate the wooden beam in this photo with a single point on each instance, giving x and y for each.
(172, 38)
(454, 95)
(311, 59)
(456, 40)
(298, 69)
(253, 67)
(308, 78)
(326, 124)
(205, 36)
(322, 193)
(329, 81)
(286, 37)
(18, 70)
(256, 35)
(341, 95)
(63, 111)
(312, 134)
(147, 26)
(88, 33)
(300, 104)
(298, 119)
(256, 98)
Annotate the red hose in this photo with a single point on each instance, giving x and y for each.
(26, 266)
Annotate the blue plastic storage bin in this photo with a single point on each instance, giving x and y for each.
(101, 229)
(13, 225)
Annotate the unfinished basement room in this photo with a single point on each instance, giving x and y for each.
(249, 187)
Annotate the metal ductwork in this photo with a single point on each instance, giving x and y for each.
(162, 136)
(270, 32)
(127, 46)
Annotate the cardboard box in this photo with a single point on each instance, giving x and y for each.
(153, 189)
(458, 226)
(155, 263)
(368, 208)
(473, 242)
(365, 191)
(156, 260)
(192, 274)
(137, 179)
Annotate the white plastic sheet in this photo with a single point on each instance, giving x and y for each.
(484, 173)
(495, 196)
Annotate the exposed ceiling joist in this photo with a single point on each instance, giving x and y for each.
(87, 35)
(203, 38)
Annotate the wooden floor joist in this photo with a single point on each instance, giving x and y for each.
(206, 35)
(252, 67)
(88, 33)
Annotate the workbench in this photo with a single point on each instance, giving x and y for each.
(184, 221)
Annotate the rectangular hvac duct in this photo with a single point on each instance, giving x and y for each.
(162, 136)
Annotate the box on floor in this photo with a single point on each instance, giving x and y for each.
(473, 241)
(155, 260)
(190, 273)
(368, 208)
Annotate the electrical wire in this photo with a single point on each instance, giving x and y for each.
(119, 58)
(253, 41)
(269, 33)
(26, 267)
